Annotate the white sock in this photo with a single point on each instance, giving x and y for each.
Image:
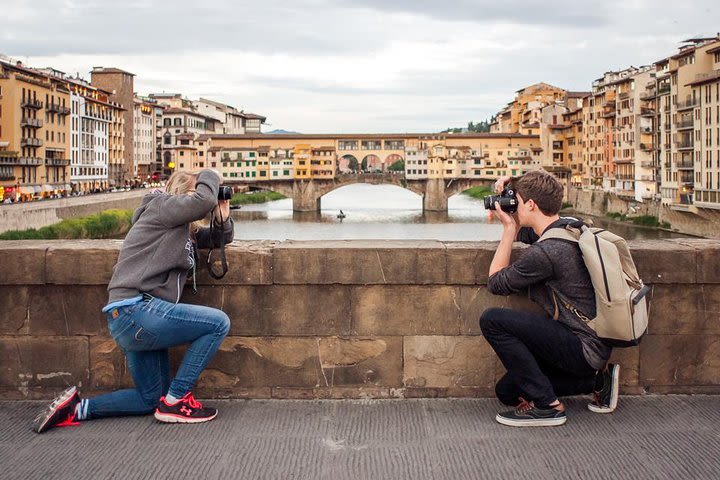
(170, 400)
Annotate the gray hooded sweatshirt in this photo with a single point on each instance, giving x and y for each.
(158, 251)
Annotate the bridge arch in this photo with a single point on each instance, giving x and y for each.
(371, 163)
(348, 163)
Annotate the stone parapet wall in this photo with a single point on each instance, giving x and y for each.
(339, 319)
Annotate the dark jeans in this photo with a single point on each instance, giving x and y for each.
(543, 358)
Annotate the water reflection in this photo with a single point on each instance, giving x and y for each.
(384, 212)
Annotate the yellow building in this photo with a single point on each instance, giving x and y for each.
(322, 162)
(301, 160)
(34, 133)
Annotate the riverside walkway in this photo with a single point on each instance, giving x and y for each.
(654, 437)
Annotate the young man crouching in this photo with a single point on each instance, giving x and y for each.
(544, 358)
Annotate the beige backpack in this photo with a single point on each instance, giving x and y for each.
(621, 315)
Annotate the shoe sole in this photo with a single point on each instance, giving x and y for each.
(59, 402)
(544, 422)
(171, 418)
(614, 394)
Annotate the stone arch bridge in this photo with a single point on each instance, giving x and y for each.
(306, 193)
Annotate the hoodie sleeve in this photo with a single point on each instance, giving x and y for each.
(531, 268)
(180, 209)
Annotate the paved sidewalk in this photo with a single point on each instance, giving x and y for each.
(663, 437)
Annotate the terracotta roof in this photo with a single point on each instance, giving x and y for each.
(215, 149)
(578, 94)
(711, 77)
(110, 70)
(252, 116)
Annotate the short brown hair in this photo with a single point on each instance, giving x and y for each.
(543, 188)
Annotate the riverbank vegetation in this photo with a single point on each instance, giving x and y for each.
(255, 197)
(478, 192)
(641, 220)
(107, 224)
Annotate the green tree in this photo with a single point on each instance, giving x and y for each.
(353, 164)
(363, 165)
(398, 166)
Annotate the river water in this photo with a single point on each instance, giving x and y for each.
(385, 212)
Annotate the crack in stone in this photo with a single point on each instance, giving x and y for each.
(321, 363)
(381, 266)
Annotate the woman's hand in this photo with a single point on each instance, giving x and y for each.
(222, 211)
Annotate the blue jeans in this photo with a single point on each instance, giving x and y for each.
(544, 359)
(145, 331)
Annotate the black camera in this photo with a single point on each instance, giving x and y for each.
(225, 192)
(507, 200)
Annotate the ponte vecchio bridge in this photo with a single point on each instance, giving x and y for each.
(305, 167)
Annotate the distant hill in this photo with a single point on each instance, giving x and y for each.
(283, 132)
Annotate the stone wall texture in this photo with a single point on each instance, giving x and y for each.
(339, 319)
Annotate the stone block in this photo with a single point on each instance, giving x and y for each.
(23, 262)
(311, 362)
(473, 301)
(406, 310)
(207, 295)
(660, 261)
(14, 311)
(629, 360)
(249, 263)
(48, 362)
(288, 310)
(684, 309)
(360, 262)
(108, 366)
(67, 310)
(82, 262)
(680, 360)
(468, 262)
(448, 362)
(708, 258)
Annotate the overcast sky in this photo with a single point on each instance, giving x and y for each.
(317, 66)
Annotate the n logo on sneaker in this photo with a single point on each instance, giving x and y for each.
(186, 411)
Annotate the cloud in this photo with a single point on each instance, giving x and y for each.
(350, 66)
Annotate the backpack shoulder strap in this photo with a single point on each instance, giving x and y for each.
(561, 234)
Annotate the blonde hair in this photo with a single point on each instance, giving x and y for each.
(180, 183)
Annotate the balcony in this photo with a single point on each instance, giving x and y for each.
(685, 124)
(647, 147)
(57, 162)
(686, 179)
(647, 112)
(57, 108)
(648, 95)
(649, 164)
(646, 130)
(687, 104)
(622, 160)
(684, 165)
(685, 145)
(31, 161)
(624, 95)
(31, 122)
(34, 104)
(663, 90)
(666, 109)
(647, 178)
(624, 176)
(31, 142)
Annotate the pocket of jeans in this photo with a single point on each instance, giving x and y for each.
(144, 339)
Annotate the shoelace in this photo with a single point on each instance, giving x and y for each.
(524, 406)
(190, 400)
(69, 422)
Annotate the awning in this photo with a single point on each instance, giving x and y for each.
(27, 190)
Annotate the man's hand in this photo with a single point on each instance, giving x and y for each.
(508, 221)
(222, 211)
(500, 183)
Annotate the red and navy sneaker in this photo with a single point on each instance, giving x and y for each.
(60, 412)
(186, 410)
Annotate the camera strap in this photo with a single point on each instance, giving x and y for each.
(223, 260)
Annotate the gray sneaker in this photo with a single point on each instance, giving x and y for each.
(606, 399)
(528, 415)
